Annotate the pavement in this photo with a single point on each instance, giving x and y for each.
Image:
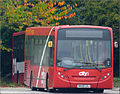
(22, 90)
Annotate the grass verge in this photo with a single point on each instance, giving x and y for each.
(10, 84)
(116, 82)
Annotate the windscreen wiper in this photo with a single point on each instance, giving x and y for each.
(93, 65)
(72, 68)
(98, 68)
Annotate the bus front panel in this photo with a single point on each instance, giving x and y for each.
(84, 58)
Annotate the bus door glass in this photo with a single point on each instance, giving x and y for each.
(51, 60)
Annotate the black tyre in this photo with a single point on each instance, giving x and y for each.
(31, 80)
(47, 83)
(99, 91)
(41, 89)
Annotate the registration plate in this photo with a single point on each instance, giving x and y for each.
(83, 86)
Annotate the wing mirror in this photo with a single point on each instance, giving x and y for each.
(116, 44)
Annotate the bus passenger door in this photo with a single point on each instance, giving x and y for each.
(51, 67)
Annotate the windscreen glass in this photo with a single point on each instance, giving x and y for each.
(83, 48)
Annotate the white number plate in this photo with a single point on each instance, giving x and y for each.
(83, 86)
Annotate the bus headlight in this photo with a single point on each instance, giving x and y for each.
(62, 76)
(108, 74)
(59, 73)
(105, 76)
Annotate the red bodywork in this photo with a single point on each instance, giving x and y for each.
(72, 76)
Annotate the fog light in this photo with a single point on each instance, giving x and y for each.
(58, 73)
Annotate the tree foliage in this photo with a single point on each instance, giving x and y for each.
(20, 14)
(16, 15)
(96, 12)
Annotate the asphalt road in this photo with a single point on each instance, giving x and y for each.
(28, 91)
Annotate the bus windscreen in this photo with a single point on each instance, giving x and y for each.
(83, 48)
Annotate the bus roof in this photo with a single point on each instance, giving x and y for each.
(38, 31)
(82, 26)
(18, 33)
(46, 29)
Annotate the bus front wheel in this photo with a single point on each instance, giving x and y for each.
(99, 91)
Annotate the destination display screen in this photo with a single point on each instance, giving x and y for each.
(84, 34)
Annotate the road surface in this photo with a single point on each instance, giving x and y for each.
(6, 90)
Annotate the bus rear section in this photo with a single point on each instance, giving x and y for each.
(84, 58)
(18, 57)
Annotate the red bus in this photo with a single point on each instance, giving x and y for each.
(66, 56)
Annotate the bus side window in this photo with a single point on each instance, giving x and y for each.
(18, 48)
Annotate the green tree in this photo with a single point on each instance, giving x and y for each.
(21, 14)
(96, 12)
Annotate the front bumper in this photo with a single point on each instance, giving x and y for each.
(61, 83)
